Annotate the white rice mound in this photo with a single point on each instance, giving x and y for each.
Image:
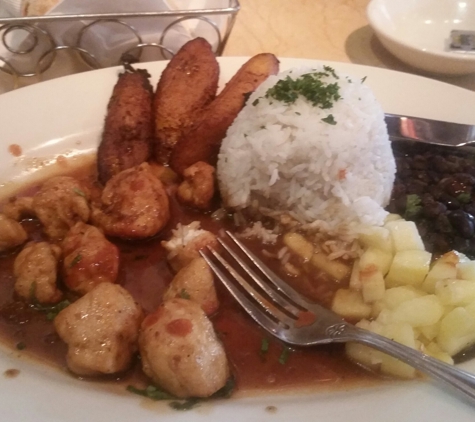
(285, 158)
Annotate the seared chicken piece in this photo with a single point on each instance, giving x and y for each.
(12, 233)
(186, 86)
(195, 282)
(61, 202)
(202, 141)
(89, 259)
(134, 205)
(180, 350)
(101, 330)
(17, 208)
(35, 269)
(197, 190)
(186, 243)
(128, 127)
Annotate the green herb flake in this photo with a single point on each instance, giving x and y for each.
(76, 260)
(312, 86)
(188, 404)
(363, 80)
(139, 257)
(255, 102)
(329, 119)
(297, 113)
(184, 294)
(284, 356)
(413, 206)
(21, 345)
(51, 311)
(464, 198)
(264, 346)
(79, 192)
(151, 392)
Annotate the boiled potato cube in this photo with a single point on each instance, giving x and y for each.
(392, 217)
(466, 270)
(364, 355)
(408, 268)
(395, 296)
(444, 267)
(350, 305)
(429, 332)
(433, 349)
(457, 331)
(419, 312)
(299, 245)
(455, 292)
(336, 269)
(373, 257)
(405, 236)
(404, 334)
(372, 284)
(376, 237)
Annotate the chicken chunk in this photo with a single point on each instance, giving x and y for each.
(35, 269)
(101, 330)
(181, 352)
(134, 205)
(89, 259)
(61, 202)
(12, 233)
(186, 243)
(197, 188)
(17, 208)
(195, 282)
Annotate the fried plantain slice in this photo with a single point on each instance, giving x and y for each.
(186, 86)
(128, 127)
(202, 141)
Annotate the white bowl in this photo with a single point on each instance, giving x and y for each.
(418, 32)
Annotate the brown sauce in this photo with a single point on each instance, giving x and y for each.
(145, 274)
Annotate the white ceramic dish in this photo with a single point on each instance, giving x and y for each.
(418, 32)
(65, 116)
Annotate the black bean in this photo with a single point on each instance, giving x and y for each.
(432, 209)
(450, 202)
(462, 222)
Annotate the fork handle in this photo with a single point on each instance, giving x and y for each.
(462, 381)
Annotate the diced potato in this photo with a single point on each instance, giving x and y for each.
(392, 217)
(376, 237)
(377, 307)
(334, 268)
(299, 245)
(455, 292)
(395, 296)
(429, 332)
(457, 331)
(405, 236)
(376, 257)
(419, 312)
(372, 284)
(364, 355)
(350, 305)
(355, 280)
(385, 317)
(409, 267)
(404, 334)
(433, 349)
(466, 270)
(444, 267)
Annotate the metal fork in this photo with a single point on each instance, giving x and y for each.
(285, 314)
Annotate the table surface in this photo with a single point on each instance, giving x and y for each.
(333, 30)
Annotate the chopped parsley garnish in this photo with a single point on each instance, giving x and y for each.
(464, 198)
(284, 356)
(184, 294)
(297, 113)
(79, 192)
(413, 206)
(76, 260)
(21, 345)
(264, 346)
(51, 311)
(329, 119)
(139, 257)
(363, 79)
(310, 86)
(157, 394)
(255, 102)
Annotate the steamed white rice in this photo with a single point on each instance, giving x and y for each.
(284, 157)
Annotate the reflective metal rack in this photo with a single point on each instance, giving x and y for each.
(30, 45)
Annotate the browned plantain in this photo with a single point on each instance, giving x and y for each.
(128, 128)
(202, 141)
(186, 86)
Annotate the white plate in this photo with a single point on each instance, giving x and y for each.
(50, 118)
